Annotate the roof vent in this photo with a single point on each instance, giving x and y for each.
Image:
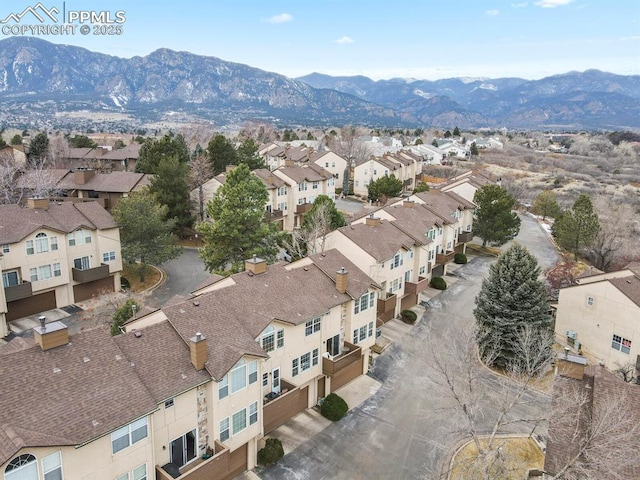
(196, 303)
(137, 334)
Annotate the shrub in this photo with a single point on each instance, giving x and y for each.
(122, 314)
(124, 284)
(438, 283)
(460, 258)
(408, 316)
(334, 407)
(271, 452)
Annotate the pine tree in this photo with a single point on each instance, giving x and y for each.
(495, 221)
(171, 188)
(511, 299)
(456, 132)
(546, 205)
(577, 228)
(153, 151)
(221, 154)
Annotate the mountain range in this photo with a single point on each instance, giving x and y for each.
(56, 78)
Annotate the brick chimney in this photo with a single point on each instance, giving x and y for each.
(52, 335)
(198, 350)
(342, 280)
(373, 221)
(37, 202)
(255, 265)
(82, 175)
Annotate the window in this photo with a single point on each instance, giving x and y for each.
(123, 477)
(421, 270)
(33, 274)
(280, 338)
(314, 357)
(140, 473)
(44, 272)
(30, 250)
(432, 255)
(5, 248)
(407, 275)
(183, 449)
(253, 413)
(22, 467)
(224, 430)
(363, 333)
(364, 302)
(253, 372)
(128, 435)
(268, 343)
(621, 344)
(314, 185)
(282, 191)
(355, 336)
(168, 403)
(370, 334)
(333, 345)
(265, 379)
(9, 279)
(239, 421)
(239, 376)
(395, 285)
(53, 242)
(590, 301)
(56, 270)
(223, 387)
(397, 261)
(282, 206)
(312, 326)
(302, 187)
(305, 362)
(79, 237)
(42, 243)
(52, 467)
(410, 253)
(82, 263)
(108, 256)
(294, 367)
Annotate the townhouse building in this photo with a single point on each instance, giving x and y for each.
(56, 254)
(337, 165)
(466, 184)
(584, 319)
(188, 390)
(403, 164)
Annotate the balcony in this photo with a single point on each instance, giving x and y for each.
(280, 407)
(416, 287)
(465, 237)
(17, 292)
(304, 208)
(274, 215)
(216, 465)
(90, 274)
(444, 258)
(331, 366)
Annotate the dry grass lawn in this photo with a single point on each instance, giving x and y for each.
(519, 455)
(150, 279)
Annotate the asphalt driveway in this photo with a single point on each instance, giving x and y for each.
(407, 430)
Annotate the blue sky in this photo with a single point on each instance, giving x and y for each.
(413, 39)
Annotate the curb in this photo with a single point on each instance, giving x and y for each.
(163, 278)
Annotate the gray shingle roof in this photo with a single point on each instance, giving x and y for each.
(380, 241)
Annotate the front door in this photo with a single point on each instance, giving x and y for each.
(275, 383)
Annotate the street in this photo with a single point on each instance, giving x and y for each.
(407, 430)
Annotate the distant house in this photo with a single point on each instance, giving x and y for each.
(105, 159)
(430, 155)
(14, 154)
(332, 162)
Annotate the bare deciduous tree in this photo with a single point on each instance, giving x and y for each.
(349, 144)
(17, 184)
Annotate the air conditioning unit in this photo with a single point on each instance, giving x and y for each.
(571, 334)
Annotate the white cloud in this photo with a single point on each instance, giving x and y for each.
(281, 18)
(552, 3)
(519, 5)
(632, 37)
(492, 13)
(344, 40)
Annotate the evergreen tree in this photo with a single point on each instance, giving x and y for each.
(335, 218)
(447, 134)
(221, 154)
(171, 188)
(546, 204)
(38, 149)
(122, 314)
(577, 228)
(81, 141)
(2, 142)
(435, 143)
(495, 221)
(16, 140)
(387, 186)
(456, 132)
(239, 228)
(474, 150)
(248, 154)
(153, 151)
(145, 236)
(512, 300)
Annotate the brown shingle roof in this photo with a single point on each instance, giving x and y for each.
(68, 395)
(114, 182)
(268, 178)
(630, 286)
(331, 261)
(17, 222)
(415, 220)
(443, 203)
(308, 173)
(380, 241)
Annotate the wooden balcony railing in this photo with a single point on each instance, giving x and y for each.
(90, 274)
(331, 366)
(465, 237)
(416, 287)
(17, 292)
(444, 258)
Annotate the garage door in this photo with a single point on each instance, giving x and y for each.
(31, 305)
(87, 290)
(237, 462)
(347, 374)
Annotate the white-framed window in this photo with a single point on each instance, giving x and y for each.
(432, 255)
(363, 333)
(224, 429)
(621, 344)
(23, 467)
(79, 237)
(33, 274)
(272, 338)
(314, 357)
(124, 476)
(10, 278)
(265, 379)
(82, 263)
(168, 403)
(6, 248)
(395, 285)
(407, 275)
(282, 206)
(183, 449)
(302, 187)
(57, 271)
(364, 302)
(410, 253)
(294, 367)
(239, 376)
(108, 257)
(139, 473)
(421, 270)
(305, 362)
(314, 185)
(128, 435)
(52, 466)
(223, 387)
(44, 272)
(29, 247)
(302, 201)
(253, 413)
(42, 243)
(370, 332)
(253, 372)
(312, 326)
(590, 301)
(239, 421)
(53, 243)
(355, 336)
(280, 338)
(396, 261)
(282, 190)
